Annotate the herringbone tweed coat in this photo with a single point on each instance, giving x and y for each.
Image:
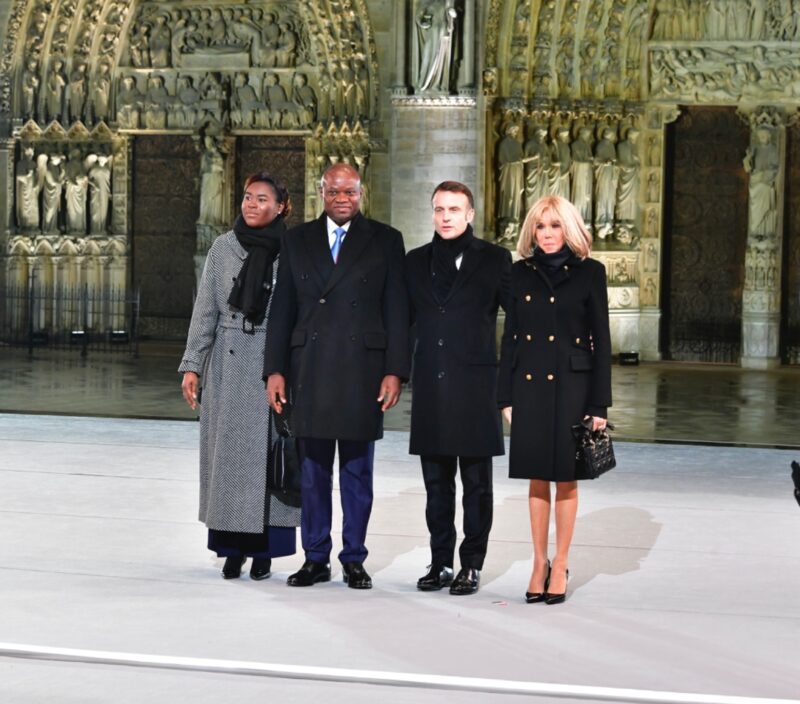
(234, 417)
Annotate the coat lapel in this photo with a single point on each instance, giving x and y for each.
(316, 242)
(358, 237)
(469, 265)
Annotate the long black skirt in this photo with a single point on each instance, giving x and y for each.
(272, 542)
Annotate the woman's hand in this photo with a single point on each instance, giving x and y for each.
(507, 414)
(189, 388)
(598, 423)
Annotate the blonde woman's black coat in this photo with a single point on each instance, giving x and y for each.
(454, 378)
(555, 363)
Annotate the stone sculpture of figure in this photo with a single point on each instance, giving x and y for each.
(583, 174)
(76, 187)
(276, 100)
(101, 92)
(537, 166)
(270, 39)
(212, 184)
(52, 189)
(762, 163)
(155, 104)
(30, 89)
(28, 185)
(654, 151)
(188, 99)
(287, 47)
(651, 226)
(99, 193)
(129, 103)
(436, 27)
(560, 165)
(628, 184)
(140, 46)
(305, 99)
(77, 91)
(605, 188)
(653, 189)
(56, 88)
(588, 63)
(244, 101)
(511, 176)
(161, 44)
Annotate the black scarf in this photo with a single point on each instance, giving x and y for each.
(553, 264)
(443, 260)
(252, 288)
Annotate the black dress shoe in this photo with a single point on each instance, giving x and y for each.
(355, 576)
(550, 598)
(437, 578)
(466, 582)
(310, 573)
(232, 569)
(536, 597)
(259, 569)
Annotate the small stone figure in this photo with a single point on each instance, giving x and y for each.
(605, 192)
(155, 104)
(537, 166)
(762, 163)
(628, 185)
(56, 88)
(53, 187)
(560, 165)
(582, 174)
(129, 103)
(28, 187)
(99, 193)
(212, 184)
(30, 89)
(305, 99)
(161, 44)
(436, 27)
(101, 92)
(275, 99)
(76, 91)
(76, 187)
(511, 176)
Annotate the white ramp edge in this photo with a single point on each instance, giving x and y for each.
(371, 677)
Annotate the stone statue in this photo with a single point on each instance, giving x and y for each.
(99, 193)
(628, 184)
(275, 99)
(212, 184)
(582, 174)
(156, 101)
(129, 103)
(762, 163)
(30, 89)
(286, 52)
(436, 25)
(76, 91)
(270, 38)
(76, 187)
(244, 102)
(161, 44)
(511, 176)
(53, 187)
(28, 186)
(305, 99)
(140, 46)
(605, 183)
(537, 165)
(653, 188)
(101, 92)
(560, 165)
(188, 99)
(56, 88)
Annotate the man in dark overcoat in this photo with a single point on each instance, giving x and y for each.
(337, 349)
(456, 284)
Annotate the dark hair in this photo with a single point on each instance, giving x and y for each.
(454, 187)
(281, 192)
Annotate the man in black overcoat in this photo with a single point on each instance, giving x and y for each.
(337, 349)
(456, 284)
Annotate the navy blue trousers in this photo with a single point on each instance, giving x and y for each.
(355, 488)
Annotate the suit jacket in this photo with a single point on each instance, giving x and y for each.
(555, 363)
(335, 330)
(454, 404)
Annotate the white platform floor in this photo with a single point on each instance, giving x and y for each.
(686, 566)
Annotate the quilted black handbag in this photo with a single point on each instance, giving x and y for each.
(594, 451)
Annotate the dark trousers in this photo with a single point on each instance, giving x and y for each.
(439, 473)
(355, 488)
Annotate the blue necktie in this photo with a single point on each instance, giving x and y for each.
(337, 243)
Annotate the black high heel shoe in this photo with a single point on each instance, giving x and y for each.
(551, 599)
(232, 569)
(535, 597)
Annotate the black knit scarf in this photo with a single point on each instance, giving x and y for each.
(443, 260)
(553, 264)
(253, 285)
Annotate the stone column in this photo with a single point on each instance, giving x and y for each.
(400, 86)
(765, 162)
(466, 74)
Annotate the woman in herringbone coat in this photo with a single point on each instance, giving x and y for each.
(222, 368)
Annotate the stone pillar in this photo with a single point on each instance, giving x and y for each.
(400, 86)
(765, 162)
(466, 75)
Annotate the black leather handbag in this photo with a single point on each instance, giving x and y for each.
(594, 451)
(283, 473)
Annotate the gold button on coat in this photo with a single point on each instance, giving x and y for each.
(552, 299)
(528, 297)
(551, 338)
(528, 338)
(529, 377)
(577, 340)
(550, 377)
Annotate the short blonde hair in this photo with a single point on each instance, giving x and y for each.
(576, 235)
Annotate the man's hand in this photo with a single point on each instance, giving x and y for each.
(390, 392)
(189, 388)
(507, 414)
(276, 392)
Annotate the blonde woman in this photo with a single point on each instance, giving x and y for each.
(555, 370)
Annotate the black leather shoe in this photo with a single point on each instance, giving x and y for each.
(310, 573)
(355, 576)
(467, 581)
(437, 578)
(259, 569)
(536, 597)
(550, 598)
(232, 569)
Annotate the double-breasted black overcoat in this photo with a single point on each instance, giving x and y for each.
(336, 330)
(555, 363)
(454, 378)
